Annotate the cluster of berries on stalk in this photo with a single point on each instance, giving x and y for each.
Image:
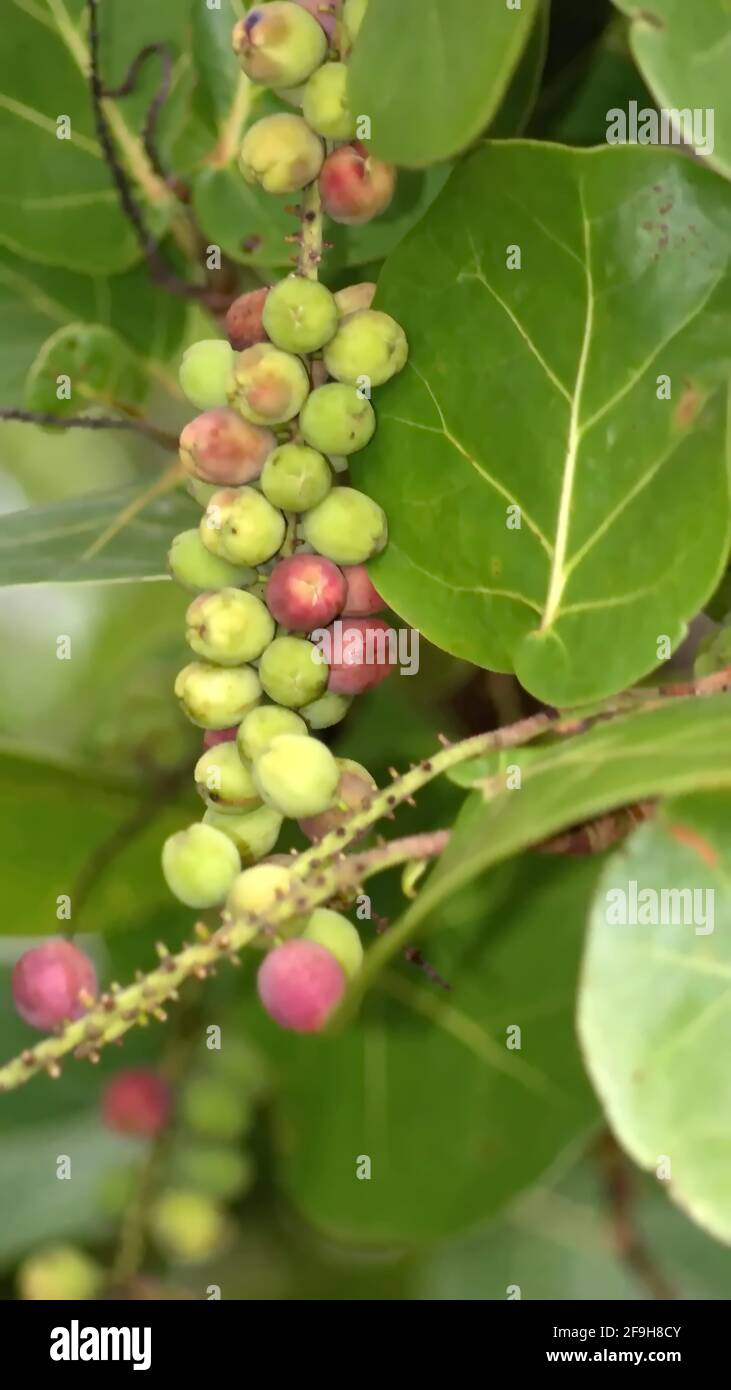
(281, 550)
(282, 546)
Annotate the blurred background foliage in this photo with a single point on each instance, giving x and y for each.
(486, 1186)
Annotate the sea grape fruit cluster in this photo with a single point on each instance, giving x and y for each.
(283, 617)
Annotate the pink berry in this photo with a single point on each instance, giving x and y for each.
(214, 736)
(300, 983)
(305, 592)
(355, 185)
(47, 982)
(244, 319)
(324, 11)
(136, 1102)
(361, 648)
(221, 447)
(361, 599)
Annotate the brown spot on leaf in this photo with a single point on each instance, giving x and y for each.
(685, 835)
(688, 406)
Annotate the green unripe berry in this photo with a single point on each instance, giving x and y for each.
(228, 627)
(367, 344)
(244, 1064)
(353, 16)
(338, 936)
(224, 782)
(258, 891)
(300, 315)
(58, 1273)
(279, 44)
(297, 776)
(292, 673)
(295, 478)
(336, 420)
(193, 565)
(325, 103)
(281, 154)
(215, 698)
(269, 386)
(199, 865)
(206, 373)
(263, 724)
(254, 834)
(355, 297)
(240, 526)
(117, 1189)
(220, 1172)
(187, 1226)
(215, 1108)
(347, 527)
(328, 710)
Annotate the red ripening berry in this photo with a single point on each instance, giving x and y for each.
(356, 186)
(300, 983)
(305, 592)
(221, 447)
(324, 11)
(361, 648)
(362, 599)
(243, 320)
(136, 1102)
(214, 736)
(47, 982)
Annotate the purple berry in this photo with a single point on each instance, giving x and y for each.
(300, 984)
(47, 983)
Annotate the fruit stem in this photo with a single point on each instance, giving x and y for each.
(310, 254)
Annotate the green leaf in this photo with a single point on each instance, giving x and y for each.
(655, 1002)
(62, 817)
(464, 52)
(684, 52)
(99, 367)
(216, 64)
(40, 1209)
(57, 202)
(520, 98)
(251, 226)
(35, 299)
(679, 747)
(537, 388)
(454, 1122)
(64, 542)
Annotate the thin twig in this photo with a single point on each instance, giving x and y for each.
(159, 269)
(149, 131)
(92, 422)
(619, 1189)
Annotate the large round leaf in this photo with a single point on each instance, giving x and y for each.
(684, 52)
(431, 73)
(551, 511)
(655, 1003)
